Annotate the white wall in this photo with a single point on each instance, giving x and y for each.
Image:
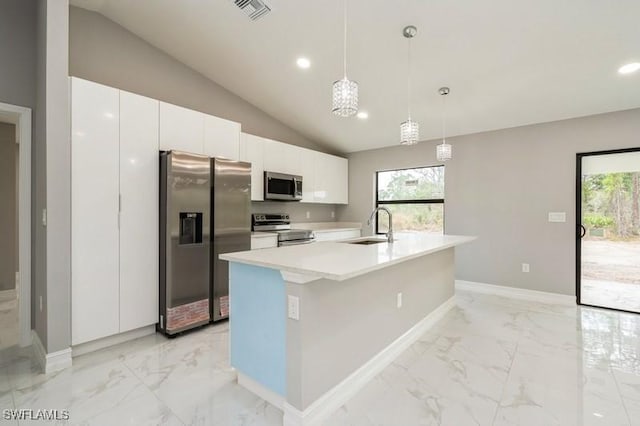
(500, 186)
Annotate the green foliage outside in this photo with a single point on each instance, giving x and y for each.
(597, 221)
(425, 183)
(612, 201)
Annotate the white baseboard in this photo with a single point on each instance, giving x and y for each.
(516, 293)
(8, 294)
(50, 362)
(267, 394)
(105, 342)
(324, 406)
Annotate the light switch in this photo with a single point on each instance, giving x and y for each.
(293, 307)
(557, 217)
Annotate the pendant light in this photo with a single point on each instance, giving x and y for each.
(409, 130)
(444, 151)
(345, 91)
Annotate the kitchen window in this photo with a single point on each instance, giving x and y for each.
(414, 196)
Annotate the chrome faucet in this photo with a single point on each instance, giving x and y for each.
(390, 233)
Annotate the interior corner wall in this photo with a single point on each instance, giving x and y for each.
(500, 186)
(39, 183)
(105, 52)
(58, 177)
(8, 207)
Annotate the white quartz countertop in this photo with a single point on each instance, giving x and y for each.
(261, 234)
(340, 261)
(328, 226)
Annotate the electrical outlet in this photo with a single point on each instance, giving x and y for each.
(293, 307)
(40, 303)
(308, 215)
(44, 217)
(399, 300)
(333, 214)
(525, 267)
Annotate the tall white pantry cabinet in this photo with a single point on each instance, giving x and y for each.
(114, 211)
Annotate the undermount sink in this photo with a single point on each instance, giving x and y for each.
(366, 242)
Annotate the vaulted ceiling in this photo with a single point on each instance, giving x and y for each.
(508, 63)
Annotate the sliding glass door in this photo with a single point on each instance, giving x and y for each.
(608, 229)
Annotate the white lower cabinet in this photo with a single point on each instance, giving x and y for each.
(262, 242)
(114, 211)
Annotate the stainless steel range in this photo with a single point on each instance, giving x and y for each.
(281, 224)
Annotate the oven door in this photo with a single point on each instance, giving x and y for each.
(282, 187)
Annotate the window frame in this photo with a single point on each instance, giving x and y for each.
(379, 203)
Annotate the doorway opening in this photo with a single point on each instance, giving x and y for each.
(15, 226)
(9, 231)
(608, 229)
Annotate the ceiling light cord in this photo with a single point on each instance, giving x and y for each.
(409, 79)
(444, 118)
(345, 40)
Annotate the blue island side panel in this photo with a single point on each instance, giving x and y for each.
(257, 324)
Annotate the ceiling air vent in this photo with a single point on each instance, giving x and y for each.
(256, 9)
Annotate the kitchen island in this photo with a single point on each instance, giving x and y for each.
(311, 324)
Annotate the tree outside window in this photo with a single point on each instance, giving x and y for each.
(414, 196)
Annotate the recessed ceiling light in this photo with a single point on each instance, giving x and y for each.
(629, 68)
(303, 63)
(363, 115)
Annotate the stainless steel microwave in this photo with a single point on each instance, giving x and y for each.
(282, 187)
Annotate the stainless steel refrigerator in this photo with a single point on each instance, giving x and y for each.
(230, 225)
(185, 205)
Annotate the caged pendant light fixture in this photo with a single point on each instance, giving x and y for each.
(444, 151)
(409, 130)
(345, 91)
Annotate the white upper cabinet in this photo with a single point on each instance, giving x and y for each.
(306, 159)
(281, 158)
(341, 182)
(139, 188)
(181, 129)
(324, 177)
(252, 151)
(221, 138)
(331, 179)
(94, 211)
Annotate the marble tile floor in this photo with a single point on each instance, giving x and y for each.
(8, 323)
(611, 294)
(490, 361)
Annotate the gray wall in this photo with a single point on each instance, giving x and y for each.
(328, 344)
(21, 43)
(51, 298)
(500, 186)
(17, 50)
(58, 180)
(39, 183)
(8, 207)
(105, 52)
